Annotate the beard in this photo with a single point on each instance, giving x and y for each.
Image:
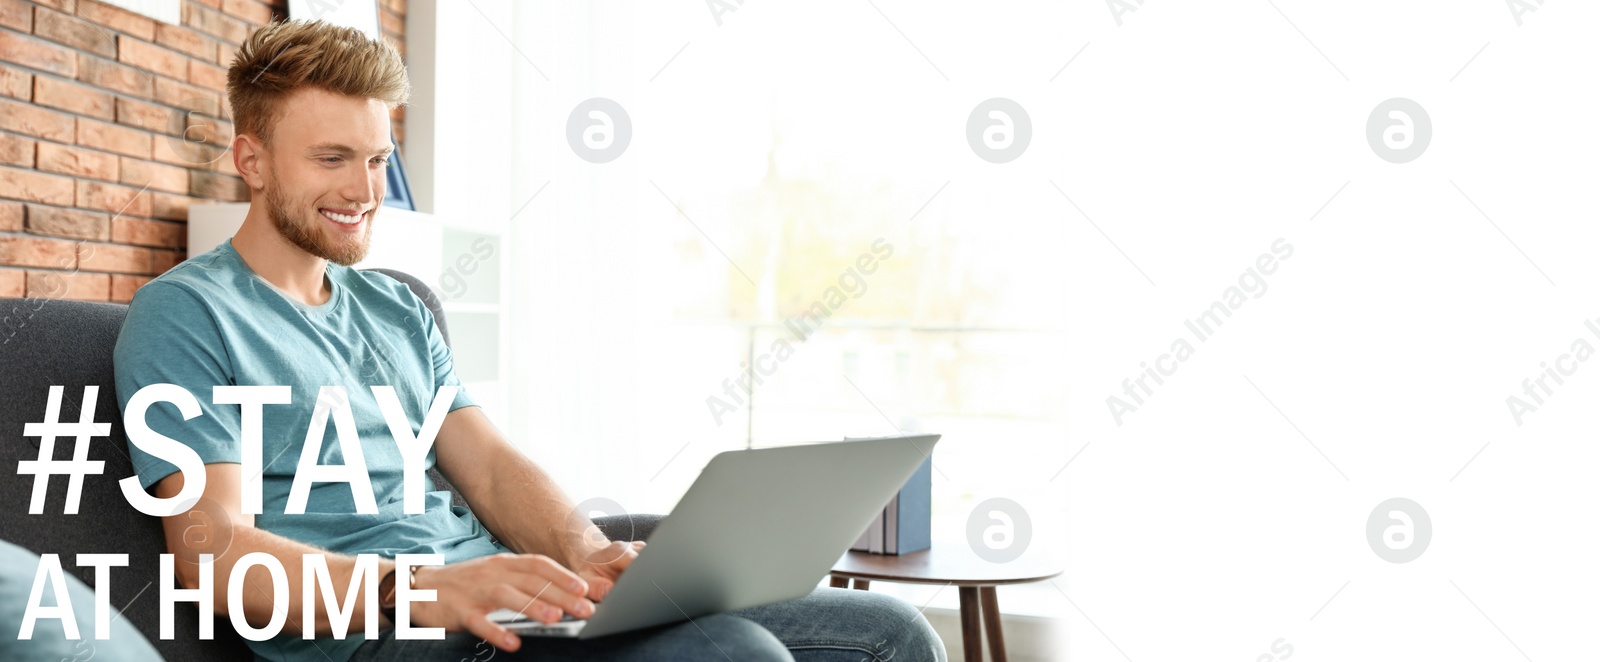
(308, 233)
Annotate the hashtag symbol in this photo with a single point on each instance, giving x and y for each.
(76, 468)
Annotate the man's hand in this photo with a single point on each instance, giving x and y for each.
(532, 584)
(603, 566)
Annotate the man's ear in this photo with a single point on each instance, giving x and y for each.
(248, 155)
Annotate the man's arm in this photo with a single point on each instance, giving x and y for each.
(510, 494)
(239, 537)
(535, 585)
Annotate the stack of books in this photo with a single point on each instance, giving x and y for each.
(905, 525)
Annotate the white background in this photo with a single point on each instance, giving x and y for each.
(1193, 135)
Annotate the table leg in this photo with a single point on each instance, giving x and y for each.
(991, 624)
(836, 581)
(862, 584)
(971, 631)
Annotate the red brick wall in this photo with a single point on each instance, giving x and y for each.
(111, 125)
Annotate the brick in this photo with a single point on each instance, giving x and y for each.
(161, 261)
(68, 285)
(113, 138)
(116, 77)
(63, 5)
(213, 131)
(187, 97)
(208, 76)
(170, 207)
(24, 251)
(69, 223)
(75, 32)
(205, 138)
(225, 165)
(77, 161)
(252, 11)
(144, 232)
(119, 200)
(186, 40)
(113, 257)
(38, 54)
(80, 99)
(215, 23)
(395, 6)
(165, 149)
(191, 152)
(117, 19)
(123, 287)
(150, 57)
(16, 15)
(11, 216)
(148, 116)
(35, 121)
(212, 134)
(12, 282)
(225, 54)
(155, 175)
(16, 83)
(214, 4)
(35, 187)
(204, 184)
(16, 150)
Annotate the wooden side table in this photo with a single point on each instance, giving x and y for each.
(951, 563)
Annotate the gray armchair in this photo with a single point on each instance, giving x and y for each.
(46, 342)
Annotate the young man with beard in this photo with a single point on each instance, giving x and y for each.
(278, 304)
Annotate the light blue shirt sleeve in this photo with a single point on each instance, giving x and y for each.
(169, 337)
(444, 365)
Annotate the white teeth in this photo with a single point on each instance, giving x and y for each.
(342, 218)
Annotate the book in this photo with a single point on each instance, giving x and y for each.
(875, 535)
(905, 524)
(861, 543)
(891, 525)
(908, 519)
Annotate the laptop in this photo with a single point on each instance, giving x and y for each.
(758, 526)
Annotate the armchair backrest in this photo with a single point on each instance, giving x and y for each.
(51, 342)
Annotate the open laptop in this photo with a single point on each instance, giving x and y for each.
(758, 526)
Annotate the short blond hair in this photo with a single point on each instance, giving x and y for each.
(288, 55)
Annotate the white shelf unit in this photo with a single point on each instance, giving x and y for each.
(463, 262)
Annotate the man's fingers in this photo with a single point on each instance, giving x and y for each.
(599, 587)
(506, 596)
(623, 561)
(619, 558)
(545, 580)
(549, 569)
(480, 625)
(547, 592)
(616, 551)
(626, 553)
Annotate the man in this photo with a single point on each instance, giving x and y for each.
(278, 304)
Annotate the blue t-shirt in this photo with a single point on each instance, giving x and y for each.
(212, 321)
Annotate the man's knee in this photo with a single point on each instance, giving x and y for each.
(741, 639)
(904, 632)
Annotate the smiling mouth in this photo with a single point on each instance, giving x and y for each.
(342, 218)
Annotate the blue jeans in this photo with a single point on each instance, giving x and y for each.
(829, 625)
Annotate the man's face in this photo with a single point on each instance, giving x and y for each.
(326, 175)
